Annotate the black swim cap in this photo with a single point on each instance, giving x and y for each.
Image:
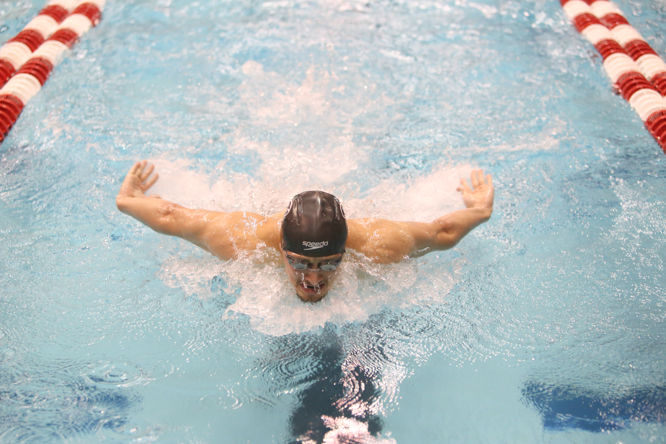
(314, 225)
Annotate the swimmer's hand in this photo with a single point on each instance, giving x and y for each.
(480, 194)
(138, 180)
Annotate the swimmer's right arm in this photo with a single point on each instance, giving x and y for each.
(223, 234)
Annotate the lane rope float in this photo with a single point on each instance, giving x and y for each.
(27, 59)
(18, 49)
(635, 69)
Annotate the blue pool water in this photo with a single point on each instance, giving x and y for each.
(544, 325)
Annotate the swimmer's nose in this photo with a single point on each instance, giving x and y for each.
(312, 276)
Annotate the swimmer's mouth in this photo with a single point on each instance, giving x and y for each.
(313, 290)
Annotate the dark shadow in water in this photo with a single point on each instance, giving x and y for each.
(563, 407)
(325, 395)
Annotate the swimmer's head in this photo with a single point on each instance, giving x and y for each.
(314, 225)
(314, 233)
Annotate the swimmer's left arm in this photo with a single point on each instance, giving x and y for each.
(388, 241)
(445, 232)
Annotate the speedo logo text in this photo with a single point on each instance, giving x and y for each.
(314, 245)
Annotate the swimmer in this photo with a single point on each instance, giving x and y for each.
(313, 234)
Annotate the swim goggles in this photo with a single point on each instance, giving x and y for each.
(299, 264)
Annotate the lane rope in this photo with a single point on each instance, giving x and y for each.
(635, 69)
(27, 59)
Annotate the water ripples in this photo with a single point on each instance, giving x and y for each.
(294, 362)
(59, 400)
(110, 374)
(289, 364)
(365, 363)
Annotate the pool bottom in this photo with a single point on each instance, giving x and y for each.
(496, 401)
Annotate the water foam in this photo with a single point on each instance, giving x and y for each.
(318, 148)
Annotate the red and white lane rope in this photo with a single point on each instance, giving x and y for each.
(27, 59)
(18, 50)
(632, 65)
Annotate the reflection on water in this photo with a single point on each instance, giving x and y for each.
(336, 403)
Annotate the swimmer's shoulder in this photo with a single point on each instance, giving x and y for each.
(357, 233)
(228, 235)
(366, 236)
(381, 240)
(268, 230)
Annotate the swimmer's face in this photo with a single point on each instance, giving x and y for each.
(311, 276)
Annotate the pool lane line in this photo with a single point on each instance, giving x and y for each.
(33, 66)
(17, 50)
(635, 69)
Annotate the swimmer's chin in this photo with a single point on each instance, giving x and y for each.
(310, 298)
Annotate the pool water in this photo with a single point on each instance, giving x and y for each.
(544, 325)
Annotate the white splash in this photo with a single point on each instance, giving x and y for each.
(424, 199)
(319, 146)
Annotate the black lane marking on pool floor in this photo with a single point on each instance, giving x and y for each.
(567, 406)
